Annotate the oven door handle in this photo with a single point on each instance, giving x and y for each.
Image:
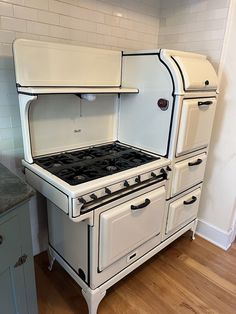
(195, 163)
(205, 103)
(144, 204)
(191, 201)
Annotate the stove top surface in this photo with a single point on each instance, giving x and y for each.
(80, 166)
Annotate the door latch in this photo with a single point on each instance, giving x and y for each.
(21, 260)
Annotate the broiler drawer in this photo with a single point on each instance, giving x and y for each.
(195, 124)
(129, 225)
(182, 211)
(188, 172)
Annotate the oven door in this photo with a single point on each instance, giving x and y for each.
(195, 124)
(127, 226)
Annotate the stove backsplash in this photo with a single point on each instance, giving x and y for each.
(66, 122)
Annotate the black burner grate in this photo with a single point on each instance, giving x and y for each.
(84, 165)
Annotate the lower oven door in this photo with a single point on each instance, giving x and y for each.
(127, 226)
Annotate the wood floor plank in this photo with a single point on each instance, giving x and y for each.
(171, 263)
(223, 265)
(210, 275)
(188, 277)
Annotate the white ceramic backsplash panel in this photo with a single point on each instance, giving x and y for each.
(194, 25)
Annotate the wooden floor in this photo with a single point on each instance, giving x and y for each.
(186, 277)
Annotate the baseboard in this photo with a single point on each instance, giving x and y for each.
(214, 234)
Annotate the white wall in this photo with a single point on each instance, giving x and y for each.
(218, 203)
(194, 25)
(111, 24)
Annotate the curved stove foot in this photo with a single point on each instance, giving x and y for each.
(51, 259)
(194, 229)
(93, 299)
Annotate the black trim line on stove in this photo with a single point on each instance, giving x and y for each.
(173, 105)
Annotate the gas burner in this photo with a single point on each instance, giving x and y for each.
(84, 165)
(56, 164)
(87, 157)
(80, 177)
(111, 168)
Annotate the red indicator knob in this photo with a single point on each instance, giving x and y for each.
(163, 104)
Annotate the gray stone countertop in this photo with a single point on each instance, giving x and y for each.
(13, 190)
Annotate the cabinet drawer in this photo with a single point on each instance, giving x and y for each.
(10, 249)
(188, 173)
(195, 124)
(125, 227)
(183, 210)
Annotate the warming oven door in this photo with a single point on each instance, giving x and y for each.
(195, 124)
(188, 173)
(126, 227)
(182, 211)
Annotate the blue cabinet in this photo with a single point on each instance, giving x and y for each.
(17, 279)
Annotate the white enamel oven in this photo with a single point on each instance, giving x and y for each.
(122, 231)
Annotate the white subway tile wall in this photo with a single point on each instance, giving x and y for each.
(194, 25)
(108, 24)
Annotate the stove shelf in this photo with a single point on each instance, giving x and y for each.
(76, 90)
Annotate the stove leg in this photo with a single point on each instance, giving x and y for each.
(194, 229)
(93, 299)
(51, 259)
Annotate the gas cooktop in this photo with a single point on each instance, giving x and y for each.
(84, 165)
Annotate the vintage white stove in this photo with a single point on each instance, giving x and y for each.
(117, 142)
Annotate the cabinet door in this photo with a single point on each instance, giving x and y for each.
(195, 124)
(188, 172)
(182, 211)
(129, 225)
(12, 296)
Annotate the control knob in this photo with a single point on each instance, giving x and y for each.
(126, 184)
(82, 200)
(138, 179)
(93, 196)
(107, 191)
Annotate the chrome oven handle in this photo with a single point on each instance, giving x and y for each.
(145, 204)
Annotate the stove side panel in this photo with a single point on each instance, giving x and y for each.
(142, 123)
